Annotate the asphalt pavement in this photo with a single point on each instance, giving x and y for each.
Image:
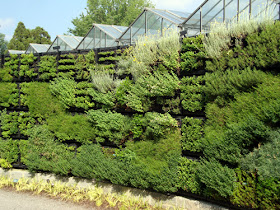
(13, 200)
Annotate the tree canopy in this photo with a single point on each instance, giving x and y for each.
(23, 36)
(3, 43)
(111, 12)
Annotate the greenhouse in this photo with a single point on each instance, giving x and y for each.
(65, 43)
(37, 48)
(16, 52)
(101, 35)
(155, 21)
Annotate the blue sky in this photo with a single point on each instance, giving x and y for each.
(55, 15)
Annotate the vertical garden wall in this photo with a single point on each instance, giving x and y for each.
(164, 115)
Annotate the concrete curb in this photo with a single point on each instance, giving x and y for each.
(153, 198)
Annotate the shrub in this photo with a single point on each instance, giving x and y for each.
(41, 104)
(45, 154)
(216, 177)
(192, 54)
(187, 175)
(47, 67)
(9, 94)
(192, 93)
(109, 126)
(8, 152)
(244, 193)
(67, 127)
(192, 133)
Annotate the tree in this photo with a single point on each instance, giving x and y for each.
(23, 36)
(3, 44)
(111, 12)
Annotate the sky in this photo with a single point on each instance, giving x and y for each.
(55, 16)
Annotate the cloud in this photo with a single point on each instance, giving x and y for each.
(179, 5)
(6, 23)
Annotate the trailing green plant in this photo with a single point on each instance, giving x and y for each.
(47, 67)
(110, 126)
(102, 100)
(5, 74)
(192, 54)
(192, 134)
(9, 94)
(172, 105)
(192, 93)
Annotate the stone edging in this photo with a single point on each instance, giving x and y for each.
(151, 197)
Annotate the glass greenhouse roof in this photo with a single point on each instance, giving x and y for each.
(37, 48)
(16, 51)
(101, 35)
(66, 43)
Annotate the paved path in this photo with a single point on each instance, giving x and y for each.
(13, 200)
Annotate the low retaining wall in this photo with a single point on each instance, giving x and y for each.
(152, 198)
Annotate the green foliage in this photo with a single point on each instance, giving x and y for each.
(23, 36)
(119, 12)
(26, 63)
(67, 127)
(192, 54)
(237, 140)
(268, 193)
(9, 123)
(9, 94)
(110, 126)
(5, 75)
(221, 86)
(158, 125)
(3, 44)
(122, 89)
(8, 152)
(71, 93)
(102, 100)
(192, 93)
(265, 159)
(187, 175)
(42, 103)
(47, 67)
(83, 65)
(170, 105)
(192, 134)
(156, 84)
(11, 66)
(45, 154)
(216, 177)
(244, 193)
(258, 50)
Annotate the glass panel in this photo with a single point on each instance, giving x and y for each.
(110, 42)
(97, 38)
(168, 16)
(153, 23)
(138, 28)
(212, 11)
(103, 39)
(126, 37)
(244, 6)
(231, 10)
(181, 14)
(192, 26)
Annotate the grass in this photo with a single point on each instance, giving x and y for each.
(94, 196)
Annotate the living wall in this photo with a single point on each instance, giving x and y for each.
(162, 115)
